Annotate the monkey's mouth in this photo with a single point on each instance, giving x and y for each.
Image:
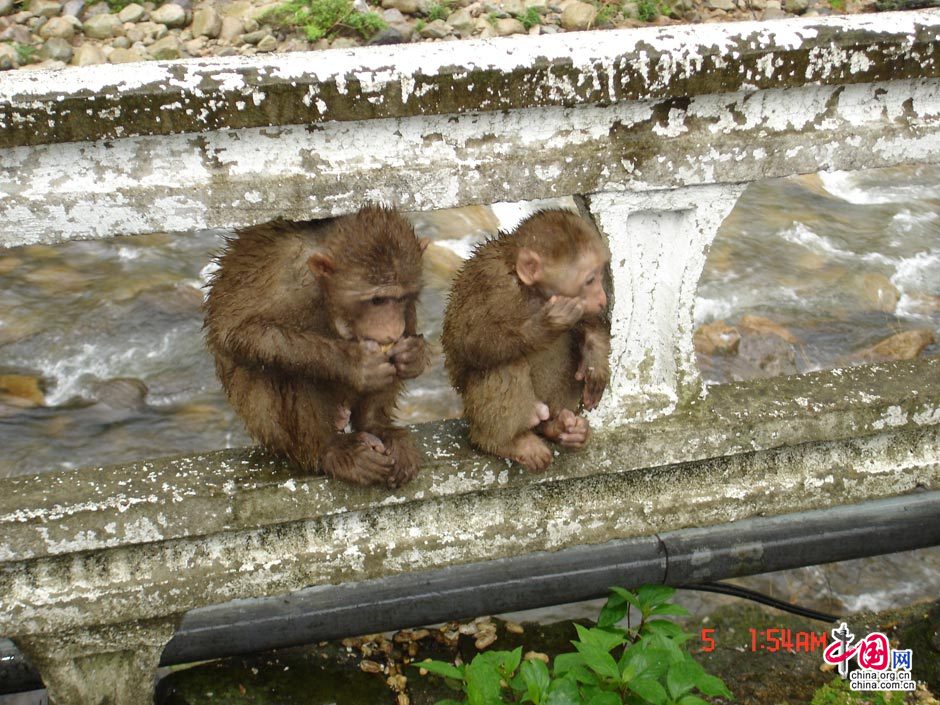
(388, 346)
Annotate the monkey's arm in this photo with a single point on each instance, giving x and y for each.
(594, 367)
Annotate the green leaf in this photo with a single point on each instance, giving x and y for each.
(582, 675)
(712, 685)
(563, 691)
(441, 668)
(605, 699)
(598, 660)
(535, 675)
(652, 595)
(604, 639)
(692, 700)
(506, 662)
(662, 626)
(482, 683)
(627, 596)
(611, 614)
(650, 690)
(565, 662)
(669, 608)
(681, 678)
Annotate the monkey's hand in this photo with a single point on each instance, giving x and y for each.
(372, 370)
(410, 356)
(560, 313)
(360, 458)
(594, 368)
(404, 452)
(568, 429)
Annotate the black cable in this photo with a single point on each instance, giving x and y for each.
(754, 596)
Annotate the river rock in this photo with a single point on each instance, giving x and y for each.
(58, 49)
(344, 43)
(509, 25)
(387, 36)
(6, 7)
(73, 8)
(120, 393)
(8, 59)
(392, 16)
(166, 48)
(132, 13)
(877, 292)
(22, 387)
(255, 37)
(44, 8)
(765, 326)
(796, 7)
(120, 43)
(124, 56)
(437, 29)
(58, 27)
(716, 338)
(103, 27)
(514, 7)
(18, 34)
(725, 5)
(462, 21)
(761, 355)
(206, 23)
(171, 14)
(88, 55)
(267, 43)
(578, 16)
(408, 7)
(900, 346)
(231, 27)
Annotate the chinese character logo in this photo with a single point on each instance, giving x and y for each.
(879, 667)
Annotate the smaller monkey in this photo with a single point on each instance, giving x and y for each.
(313, 327)
(525, 337)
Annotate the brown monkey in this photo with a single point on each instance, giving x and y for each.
(312, 325)
(525, 340)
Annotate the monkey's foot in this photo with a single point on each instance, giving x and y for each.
(539, 414)
(360, 458)
(344, 414)
(567, 428)
(529, 450)
(401, 448)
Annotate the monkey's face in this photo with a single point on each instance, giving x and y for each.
(583, 279)
(378, 314)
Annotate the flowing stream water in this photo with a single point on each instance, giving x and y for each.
(107, 334)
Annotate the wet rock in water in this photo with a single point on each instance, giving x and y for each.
(900, 346)
(57, 49)
(206, 23)
(877, 293)
(716, 338)
(23, 388)
(120, 393)
(765, 355)
(440, 265)
(759, 324)
(578, 16)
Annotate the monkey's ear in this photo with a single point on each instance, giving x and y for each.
(423, 243)
(528, 266)
(321, 264)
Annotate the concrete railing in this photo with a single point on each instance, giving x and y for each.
(658, 129)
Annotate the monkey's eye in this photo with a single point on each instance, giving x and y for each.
(379, 300)
(590, 280)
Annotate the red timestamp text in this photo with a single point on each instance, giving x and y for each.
(774, 639)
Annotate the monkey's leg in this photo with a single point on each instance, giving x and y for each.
(373, 413)
(501, 407)
(359, 458)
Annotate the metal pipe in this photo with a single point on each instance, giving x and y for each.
(540, 579)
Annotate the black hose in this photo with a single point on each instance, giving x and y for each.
(754, 596)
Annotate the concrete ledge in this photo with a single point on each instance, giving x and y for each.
(108, 102)
(137, 542)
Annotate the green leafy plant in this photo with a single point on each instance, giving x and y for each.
(438, 11)
(607, 12)
(611, 665)
(648, 10)
(420, 24)
(530, 18)
(25, 53)
(325, 18)
(837, 692)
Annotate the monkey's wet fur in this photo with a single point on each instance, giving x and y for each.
(526, 338)
(312, 325)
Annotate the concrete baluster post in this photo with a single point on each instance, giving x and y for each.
(109, 665)
(658, 241)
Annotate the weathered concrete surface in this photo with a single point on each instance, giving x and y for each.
(498, 74)
(230, 524)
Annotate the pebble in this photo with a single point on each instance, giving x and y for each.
(540, 6)
(578, 16)
(7, 57)
(58, 28)
(437, 29)
(73, 8)
(900, 346)
(17, 33)
(45, 8)
(99, 8)
(103, 27)
(6, 7)
(187, 5)
(255, 37)
(462, 21)
(508, 26)
(717, 338)
(408, 7)
(797, 7)
(88, 55)
(58, 49)
(389, 35)
(171, 14)
(231, 27)
(514, 7)
(267, 43)
(344, 43)
(725, 5)
(392, 15)
(121, 43)
(132, 13)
